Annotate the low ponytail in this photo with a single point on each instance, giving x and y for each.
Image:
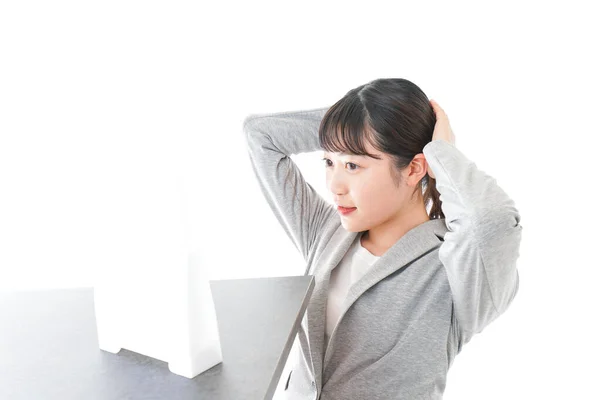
(432, 195)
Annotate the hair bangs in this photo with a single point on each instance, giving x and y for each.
(344, 129)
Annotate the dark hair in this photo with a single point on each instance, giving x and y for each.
(395, 116)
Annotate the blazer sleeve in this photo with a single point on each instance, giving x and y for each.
(481, 247)
(271, 139)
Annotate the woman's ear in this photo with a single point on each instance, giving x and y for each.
(418, 168)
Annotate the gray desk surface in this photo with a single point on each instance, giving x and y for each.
(49, 346)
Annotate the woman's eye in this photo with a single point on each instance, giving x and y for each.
(354, 168)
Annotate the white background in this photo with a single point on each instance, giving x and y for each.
(121, 144)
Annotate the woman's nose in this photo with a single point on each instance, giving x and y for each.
(336, 184)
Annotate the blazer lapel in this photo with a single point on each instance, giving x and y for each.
(332, 255)
(412, 245)
(416, 242)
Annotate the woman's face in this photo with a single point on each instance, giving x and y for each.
(367, 184)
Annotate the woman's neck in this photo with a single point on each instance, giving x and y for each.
(380, 239)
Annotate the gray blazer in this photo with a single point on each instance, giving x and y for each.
(403, 323)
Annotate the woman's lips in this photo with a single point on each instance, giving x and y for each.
(345, 210)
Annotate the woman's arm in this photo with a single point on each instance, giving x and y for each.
(480, 252)
(271, 139)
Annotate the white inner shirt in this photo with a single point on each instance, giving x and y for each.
(353, 266)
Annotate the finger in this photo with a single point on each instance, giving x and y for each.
(436, 106)
(439, 111)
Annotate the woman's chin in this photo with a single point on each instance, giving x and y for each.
(350, 227)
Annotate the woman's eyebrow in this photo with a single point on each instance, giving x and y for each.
(345, 154)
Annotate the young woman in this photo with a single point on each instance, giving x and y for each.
(405, 274)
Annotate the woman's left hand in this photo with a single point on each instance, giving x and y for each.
(441, 130)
